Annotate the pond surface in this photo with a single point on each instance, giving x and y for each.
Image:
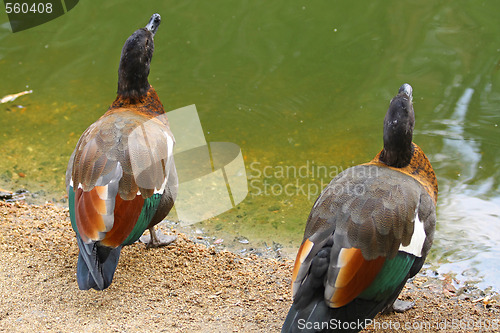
(300, 86)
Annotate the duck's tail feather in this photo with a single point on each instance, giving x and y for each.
(96, 265)
(316, 316)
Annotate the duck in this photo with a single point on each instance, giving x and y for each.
(368, 232)
(121, 178)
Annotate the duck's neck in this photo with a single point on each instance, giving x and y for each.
(132, 80)
(397, 156)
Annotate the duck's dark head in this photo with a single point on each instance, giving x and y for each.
(398, 129)
(135, 60)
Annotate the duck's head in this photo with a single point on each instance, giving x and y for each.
(135, 60)
(398, 129)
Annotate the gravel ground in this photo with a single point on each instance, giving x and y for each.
(184, 287)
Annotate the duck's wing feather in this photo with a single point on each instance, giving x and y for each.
(361, 220)
(120, 161)
(143, 146)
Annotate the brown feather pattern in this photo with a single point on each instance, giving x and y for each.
(136, 137)
(126, 214)
(130, 144)
(370, 208)
(355, 275)
(419, 168)
(88, 214)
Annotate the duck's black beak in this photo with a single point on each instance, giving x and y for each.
(154, 23)
(406, 89)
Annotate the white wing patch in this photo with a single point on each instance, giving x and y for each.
(417, 239)
(170, 146)
(73, 185)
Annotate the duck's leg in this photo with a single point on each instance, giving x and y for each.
(158, 239)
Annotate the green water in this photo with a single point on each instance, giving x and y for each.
(301, 87)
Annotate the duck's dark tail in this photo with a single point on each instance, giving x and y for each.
(316, 316)
(96, 265)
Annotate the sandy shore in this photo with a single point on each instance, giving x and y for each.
(184, 287)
